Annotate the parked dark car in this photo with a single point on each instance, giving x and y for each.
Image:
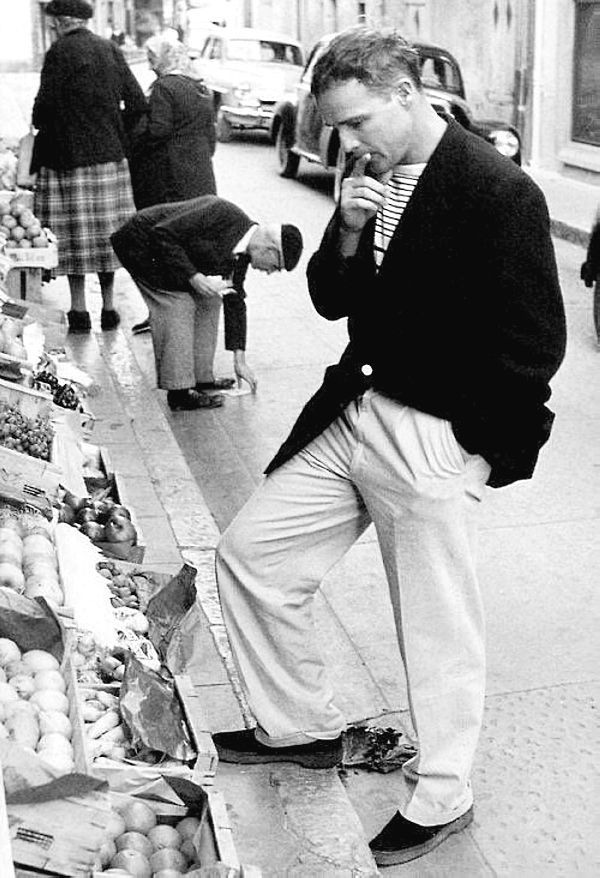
(299, 131)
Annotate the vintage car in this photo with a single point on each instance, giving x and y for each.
(299, 131)
(248, 72)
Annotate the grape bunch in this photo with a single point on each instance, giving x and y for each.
(31, 436)
(63, 395)
(47, 378)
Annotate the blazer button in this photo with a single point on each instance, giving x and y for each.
(367, 370)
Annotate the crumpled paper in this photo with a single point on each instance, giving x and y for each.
(152, 713)
(30, 623)
(376, 749)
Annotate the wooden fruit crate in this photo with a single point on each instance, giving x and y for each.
(23, 478)
(24, 283)
(207, 760)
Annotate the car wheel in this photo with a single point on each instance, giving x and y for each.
(224, 129)
(288, 160)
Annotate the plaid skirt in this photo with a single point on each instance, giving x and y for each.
(83, 207)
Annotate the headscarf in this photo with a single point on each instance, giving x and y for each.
(171, 56)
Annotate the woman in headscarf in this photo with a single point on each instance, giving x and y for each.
(172, 159)
(87, 101)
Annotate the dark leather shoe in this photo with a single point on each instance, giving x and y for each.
(109, 318)
(190, 400)
(217, 384)
(243, 748)
(79, 321)
(142, 326)
(401, 840)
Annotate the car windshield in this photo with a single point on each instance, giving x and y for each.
(264, 50)
(440, 73)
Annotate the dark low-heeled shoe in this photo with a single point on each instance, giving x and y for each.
(243, 748)
(109, 318)
(79, 321)
(190, 400)
(401, 840)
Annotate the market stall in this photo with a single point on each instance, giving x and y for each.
(107, 764)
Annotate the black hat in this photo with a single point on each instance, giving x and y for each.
(291, 246)
(73, 8)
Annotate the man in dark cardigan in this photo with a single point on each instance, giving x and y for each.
(188, 257)
(439, 256)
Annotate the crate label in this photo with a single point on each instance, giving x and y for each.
(14, 309)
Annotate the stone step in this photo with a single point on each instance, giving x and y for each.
(292, 821)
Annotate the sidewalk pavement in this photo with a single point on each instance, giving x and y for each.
(536, 758)
(572, 204)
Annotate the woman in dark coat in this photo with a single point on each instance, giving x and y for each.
(87, 101)
(172, 159)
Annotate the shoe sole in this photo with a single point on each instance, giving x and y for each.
(396, 858)
(306, 760)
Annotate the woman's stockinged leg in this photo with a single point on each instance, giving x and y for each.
(77, 290)
(107, 285)
(270, 563)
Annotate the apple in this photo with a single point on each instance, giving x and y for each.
(119, 529)
(25, 244)
(94, 531)
(73, 500)
(17, 209)
(34, 230)
(85, 514)
(40, 241)
(66, 514)
(26, 219)
(9, 221)
(103, 509)
(120, 510)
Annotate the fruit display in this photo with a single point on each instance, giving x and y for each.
(63, 394)
(138, 845)
(104, 731)
(122, 587)
(34, 707)
(19, 227)
(32, 436)
(28, 560)
(99, 517)
(11, 341)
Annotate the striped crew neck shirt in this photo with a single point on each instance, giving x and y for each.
(400, 187)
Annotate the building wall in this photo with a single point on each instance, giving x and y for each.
(552, 96)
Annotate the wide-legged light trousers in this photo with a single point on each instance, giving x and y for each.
(404, 471)
(185, 329)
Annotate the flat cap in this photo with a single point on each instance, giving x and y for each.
(291, 246)
(73, 8)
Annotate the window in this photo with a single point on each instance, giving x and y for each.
(263, 50)
(586, 78)
(438, 72)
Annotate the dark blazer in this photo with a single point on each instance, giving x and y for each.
(172, 157)
(165, 245)
(87, 103)
(464, 319)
